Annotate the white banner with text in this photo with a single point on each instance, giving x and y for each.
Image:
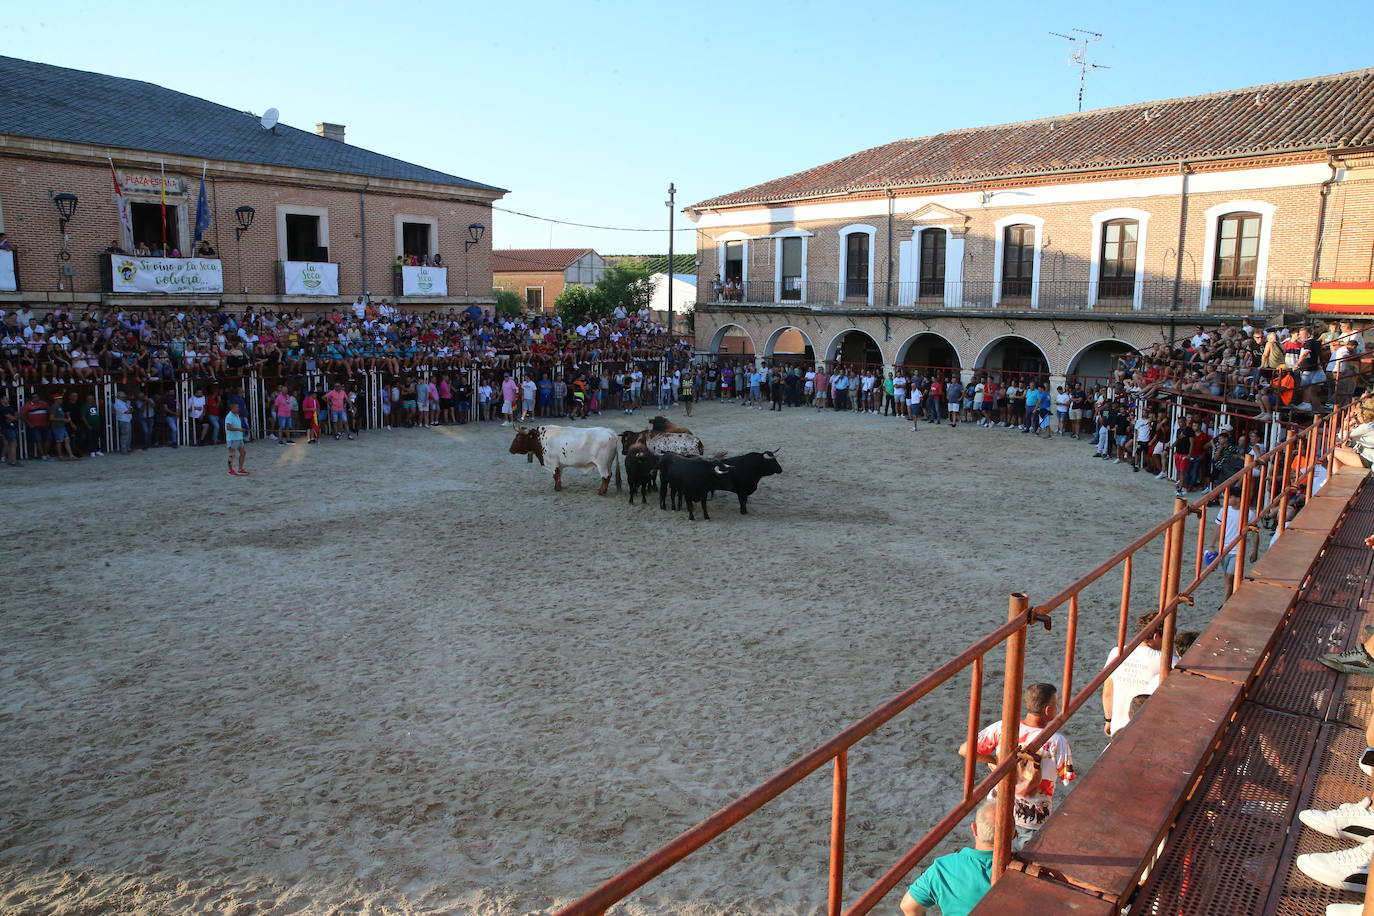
(424, 281)
(132, 274)
(310, 278)
(8, 281)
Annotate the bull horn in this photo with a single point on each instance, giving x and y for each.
(722, 469)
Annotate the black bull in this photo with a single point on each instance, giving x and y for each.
(693, 479)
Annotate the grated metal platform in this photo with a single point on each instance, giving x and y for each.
(1339, 577)
(1334, 778)
(1295, 681)
(1355, 527)
(1225, 851)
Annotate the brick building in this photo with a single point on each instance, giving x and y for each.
(326, 220)
(538, 275)
(1044, 244)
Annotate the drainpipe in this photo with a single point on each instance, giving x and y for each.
(362, 234)
(890, 199)
(1321, 216)
(1178, 251)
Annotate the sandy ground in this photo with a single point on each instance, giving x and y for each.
(402, 675)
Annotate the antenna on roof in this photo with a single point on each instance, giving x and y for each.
(269, 119)
(1079, 58)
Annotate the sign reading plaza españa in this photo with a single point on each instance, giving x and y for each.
(133, 274)
(8, 281)
(424, 281)
(310, 278)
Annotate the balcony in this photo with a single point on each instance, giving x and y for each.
(1111, 296)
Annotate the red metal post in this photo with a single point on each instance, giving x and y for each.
(975, 711)
(1124, 620)
(1011, 730)
(1070, 644)
(838, 799)
(1247, 496)
(1286, 479)
(1166, 639)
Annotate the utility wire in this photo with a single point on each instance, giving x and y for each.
(590, 225)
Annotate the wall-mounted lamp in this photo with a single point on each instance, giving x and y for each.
(244, 215)
(475, 231)
(66, 209)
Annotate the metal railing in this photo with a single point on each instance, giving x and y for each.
(1265, 486)
(1148, 295)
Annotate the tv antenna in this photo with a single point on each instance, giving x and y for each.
(1079, 57)
(269, 119)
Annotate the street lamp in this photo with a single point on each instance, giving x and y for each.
(475, 231)
(66, 209)
(244, 215)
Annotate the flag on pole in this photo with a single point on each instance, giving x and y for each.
(202, 210)
(162, 193)
(126, 222)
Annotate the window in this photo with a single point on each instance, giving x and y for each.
(856, 265)
(415, 240)
(932, 262)
(1018, 260)
(734, 263)
(1237, 256)
(147, 220)
(790, 259)
(1119, 244)
(303, 238)
(534, 298)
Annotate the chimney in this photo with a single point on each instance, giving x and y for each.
(330, 131)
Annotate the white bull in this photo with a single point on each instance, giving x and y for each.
(571, 447)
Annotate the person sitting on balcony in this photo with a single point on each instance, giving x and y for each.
(204, 249)
(956, 882)
(114, 247)
(5, 243)
(142, 250)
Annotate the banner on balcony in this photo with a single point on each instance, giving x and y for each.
(424, 281)
(8, 281)
(132, 274)
(310, 278)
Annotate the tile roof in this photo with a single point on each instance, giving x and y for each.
(55, 103)
(1304, 114)
(507, 260)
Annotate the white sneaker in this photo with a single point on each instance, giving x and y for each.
(1305, 405)
(505, 423)
(1116, 461)
(1161, 476)
(271, 435)
(1351, 821)
(1346, 869)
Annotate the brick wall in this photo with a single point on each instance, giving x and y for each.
(30, 218)
(552, 282)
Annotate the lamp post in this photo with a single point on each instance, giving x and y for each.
(244, 215)
(66, 209)
(475, 231)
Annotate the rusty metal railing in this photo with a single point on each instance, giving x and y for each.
(1266, 486)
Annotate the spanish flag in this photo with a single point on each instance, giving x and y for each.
(1343, 298)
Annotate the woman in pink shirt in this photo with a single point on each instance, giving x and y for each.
(281, 408)
(445, 401)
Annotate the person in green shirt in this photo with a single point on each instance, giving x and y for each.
(956, 882)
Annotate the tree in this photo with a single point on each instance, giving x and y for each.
(508, 301)
(578, 303)
(628, 287)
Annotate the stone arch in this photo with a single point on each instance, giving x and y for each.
(853, 345)
(928, 348)
(770, 348)
(722, 332)
(1095, 359)
(1013, 353)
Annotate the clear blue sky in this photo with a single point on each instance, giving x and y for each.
(586, 112)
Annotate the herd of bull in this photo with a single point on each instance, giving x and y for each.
(664, 457)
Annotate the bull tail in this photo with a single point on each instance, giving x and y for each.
(617, 471)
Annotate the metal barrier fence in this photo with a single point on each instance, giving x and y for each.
(1265, 486)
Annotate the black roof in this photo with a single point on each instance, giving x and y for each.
(55, 103)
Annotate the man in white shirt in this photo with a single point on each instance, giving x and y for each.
(1229, 514)
(1200, 338)
(1137, 675)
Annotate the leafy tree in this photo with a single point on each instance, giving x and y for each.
(626, 286)
(578, 303)
(508, 301)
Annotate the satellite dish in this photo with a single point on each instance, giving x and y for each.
(269, 118)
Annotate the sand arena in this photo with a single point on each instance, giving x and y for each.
(402, 675)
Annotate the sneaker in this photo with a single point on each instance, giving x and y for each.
(1346, 869)
(281, 441)
(271, 435)
(241, 472)
(233, 473)
(1351, 821)
(1114, 460)
(350, 438)
(1356, 661)
(1306, 405)
(1162, 475)
(289, 442)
